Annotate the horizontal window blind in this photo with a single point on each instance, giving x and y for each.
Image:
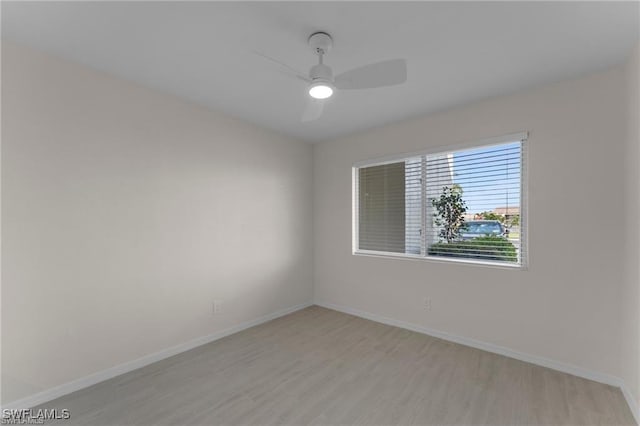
(463, 204)
(390, 201)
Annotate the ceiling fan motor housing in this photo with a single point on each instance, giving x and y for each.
(321, 72)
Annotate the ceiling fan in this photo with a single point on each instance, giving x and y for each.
(322, 83)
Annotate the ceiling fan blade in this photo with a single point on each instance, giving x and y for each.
(288, 69)
(313, 110)
(379, 74)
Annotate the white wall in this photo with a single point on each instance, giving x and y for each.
(566, 306)
(126, 212)
(630, 359)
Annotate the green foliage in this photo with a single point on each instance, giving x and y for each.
(514, 220)
(483, 248)
(450, 208)
(491, 216)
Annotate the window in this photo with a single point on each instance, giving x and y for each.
(464, 205)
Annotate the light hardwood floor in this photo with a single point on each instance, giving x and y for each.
(321, 367)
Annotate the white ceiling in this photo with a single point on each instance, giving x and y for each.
(456, 52)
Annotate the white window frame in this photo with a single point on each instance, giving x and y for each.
(488, 142)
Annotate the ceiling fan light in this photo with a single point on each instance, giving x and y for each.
(320, 90)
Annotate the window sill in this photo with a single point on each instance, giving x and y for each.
(437, 259)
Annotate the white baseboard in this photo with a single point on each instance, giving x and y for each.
(67, 388)
(84, 382)
(500, 350)
(631, 401)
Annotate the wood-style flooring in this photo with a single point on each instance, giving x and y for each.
(322, 367)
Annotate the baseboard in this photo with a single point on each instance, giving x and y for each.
(67, 388)
(84, 382)
(632, 402)
(500, 350)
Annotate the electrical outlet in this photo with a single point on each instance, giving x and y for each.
(216, 307)
(427, 303)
